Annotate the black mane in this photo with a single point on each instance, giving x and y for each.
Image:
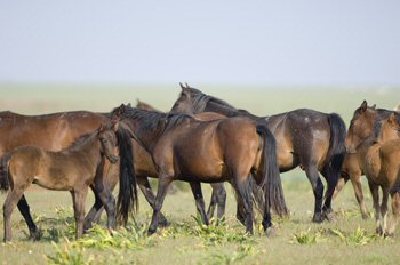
(154, 120)
(82, 140)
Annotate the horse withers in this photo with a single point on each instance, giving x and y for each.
(72, 169)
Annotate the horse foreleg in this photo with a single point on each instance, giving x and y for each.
(384, 207)
(356, 182)
(79, 201)
(95, 212)
(198, 197)
(339, 187)
(147, 191)
(163, 183)
(24, 208)
(395, 214)
(375, 196)
(318, 189)
(218, 198)
(109, 205)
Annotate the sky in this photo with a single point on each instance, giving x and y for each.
(283, 43)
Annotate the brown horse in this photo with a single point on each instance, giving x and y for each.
(364, 126)
(305, 138)
(52, 132)
(72, 169)
(382, 167)
(207, 151)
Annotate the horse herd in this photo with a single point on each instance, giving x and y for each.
(202, 139)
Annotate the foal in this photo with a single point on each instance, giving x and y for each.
(72, 169)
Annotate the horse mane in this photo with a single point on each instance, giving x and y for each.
(82, 140)
(200, 101)
(154, 120)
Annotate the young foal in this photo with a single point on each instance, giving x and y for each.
(364, 126)
(383, 169)
(72, 169)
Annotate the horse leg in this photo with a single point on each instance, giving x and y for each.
(384, 207)
(8, 207)
(331, 181)
(198, 197)
(94, 213)
(163, 183)
(395, 214)
(318, 189)
(109, 205)
(375, 196)
(339, 186)
(25, 210)
(218, 197)
(244, 190)
(145, 187)
(241, 211)
(356, 182)
(79, 200)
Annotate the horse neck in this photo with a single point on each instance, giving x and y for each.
(218, 108)
(146, 137)
(90, 149)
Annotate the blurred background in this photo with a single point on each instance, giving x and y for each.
(264, 56)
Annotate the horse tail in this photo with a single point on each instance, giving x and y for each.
(127, 197)
(4, 178)
(272, 185)
(335, 156)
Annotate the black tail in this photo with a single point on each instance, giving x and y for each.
(336, 152)
(127, 197)
(273, 191)
(4, 179)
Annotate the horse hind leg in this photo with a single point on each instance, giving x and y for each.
(244, 194)
(23, 207)
(384, 207)
(218, 199)
(374, 189)
(8, 207)
(318, 189)
(198, 197)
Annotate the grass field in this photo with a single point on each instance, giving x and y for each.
(347, 240)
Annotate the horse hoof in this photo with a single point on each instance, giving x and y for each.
(36, 235)
(317, 218)
(163, 222)
(151, 231)
(379, 230)
(388, 235)
(270, 232)
(329, 215)
(364, 216)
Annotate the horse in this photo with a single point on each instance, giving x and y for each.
(72, 169)
(52, 132)
(192, 150)
(364, 126)
(218, 195)
(382, 167)
(311, 140)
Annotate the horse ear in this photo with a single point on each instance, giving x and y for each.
(373, 106)
(364, 106)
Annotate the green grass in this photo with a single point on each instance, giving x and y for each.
(348, 240)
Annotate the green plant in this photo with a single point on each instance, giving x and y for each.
(358, 237)
(307, 237)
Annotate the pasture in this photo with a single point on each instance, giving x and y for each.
(347, 240)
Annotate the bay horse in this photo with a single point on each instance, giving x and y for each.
(218, 195)
(305, 138)
(188, 149)
(72, 169)
(364, 125)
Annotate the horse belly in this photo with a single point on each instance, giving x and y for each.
(203, 168)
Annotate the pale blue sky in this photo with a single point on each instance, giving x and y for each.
(286, 43)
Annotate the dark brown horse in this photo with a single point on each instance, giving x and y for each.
(72, 169)
(305, 138)
(364, 126)
(207, 151)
